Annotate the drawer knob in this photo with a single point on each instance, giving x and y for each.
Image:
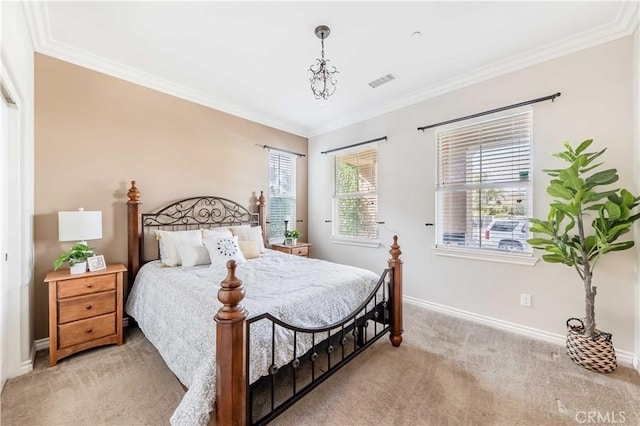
(89, 330)
(89, 306)
(89, 285)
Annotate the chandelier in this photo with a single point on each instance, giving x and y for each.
(323, 76)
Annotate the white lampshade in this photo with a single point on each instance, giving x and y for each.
(79, 225)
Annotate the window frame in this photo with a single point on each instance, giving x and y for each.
(479, 253)
(346, 239)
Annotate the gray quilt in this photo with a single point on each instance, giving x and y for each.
(174, 308)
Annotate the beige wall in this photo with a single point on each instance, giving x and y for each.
(596, 102)
(95, 133)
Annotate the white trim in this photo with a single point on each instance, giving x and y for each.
(360, 243)
(623, 357)
(623, 26)
(26, 367)
(486, 255)
(41, 344)
(38, 21)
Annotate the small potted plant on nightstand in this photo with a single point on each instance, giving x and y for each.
(291, 237)
(77, 257)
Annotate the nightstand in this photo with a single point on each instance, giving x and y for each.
(85, 310)
(299, 249)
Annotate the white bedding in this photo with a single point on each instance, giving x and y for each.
(174, 308)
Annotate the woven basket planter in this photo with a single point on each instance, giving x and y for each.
(593, 353)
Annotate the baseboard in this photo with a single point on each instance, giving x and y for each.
(624, 357)
(42, 344)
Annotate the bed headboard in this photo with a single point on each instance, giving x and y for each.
(189, 213)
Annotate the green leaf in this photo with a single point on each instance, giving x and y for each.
(539, 241)
(557, 190)
(588, 169)
(541, 229)
(565, 156)
(594, 156)
(584, 145)
(627, 197)
(617, 247)
(591, 196)
(606, 177)
(613, 211)
(571, 179)
(554, 258)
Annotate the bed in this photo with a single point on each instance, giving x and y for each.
(300, 321)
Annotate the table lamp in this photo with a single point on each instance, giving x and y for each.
(79, 226)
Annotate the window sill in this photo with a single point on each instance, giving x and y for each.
(515, 259)
(360, 243)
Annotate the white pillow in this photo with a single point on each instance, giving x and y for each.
(253, 233)
(170, 242)
(249, 249)
(223, 249)
(215, 232)
(194, 255)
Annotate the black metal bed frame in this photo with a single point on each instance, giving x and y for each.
(356, 324)
(196, 213)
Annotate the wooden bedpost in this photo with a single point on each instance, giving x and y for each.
(231, 362)
(133, 231)
(262, 204)
(396, 319)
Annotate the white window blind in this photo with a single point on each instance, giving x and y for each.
(483, 184)
(282, 193)
(355, 199)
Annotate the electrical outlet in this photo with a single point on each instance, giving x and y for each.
(525, 300)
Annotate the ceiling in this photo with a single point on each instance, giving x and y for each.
(251, 58)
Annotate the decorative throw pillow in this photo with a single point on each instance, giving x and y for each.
(194, 255)
(249, 249)
(247, 233)
(170, 242)
(223, 249)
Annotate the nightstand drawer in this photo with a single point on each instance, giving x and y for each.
(88, 285)
(81, 307)
(86, 330)
(300, 251)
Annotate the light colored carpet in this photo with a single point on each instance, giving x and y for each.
(447, 372)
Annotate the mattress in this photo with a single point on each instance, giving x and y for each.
(174, 308)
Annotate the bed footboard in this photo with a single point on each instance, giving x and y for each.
(342, 341)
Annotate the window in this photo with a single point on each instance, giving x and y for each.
(355, 195)
(483, 184)
(282, 193)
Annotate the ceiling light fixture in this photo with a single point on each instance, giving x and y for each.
(323, 79)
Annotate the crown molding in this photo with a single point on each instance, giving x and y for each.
(624, 25)
(38, 21)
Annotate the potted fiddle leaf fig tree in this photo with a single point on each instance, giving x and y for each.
(585, 222)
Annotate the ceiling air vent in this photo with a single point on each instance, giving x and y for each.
(382, 80)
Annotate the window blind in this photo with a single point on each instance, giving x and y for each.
(282, 193)
(355, 199)
(483, 184)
